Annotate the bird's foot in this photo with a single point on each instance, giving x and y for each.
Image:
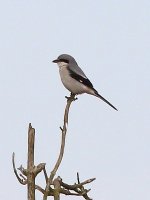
(72, 97)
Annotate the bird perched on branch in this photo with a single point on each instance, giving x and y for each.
(74, 79)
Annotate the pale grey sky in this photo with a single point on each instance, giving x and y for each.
(111, 42)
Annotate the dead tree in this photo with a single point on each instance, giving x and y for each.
(54, 186)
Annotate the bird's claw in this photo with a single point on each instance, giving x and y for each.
(72, 97)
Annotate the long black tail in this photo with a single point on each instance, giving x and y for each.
(102, 98)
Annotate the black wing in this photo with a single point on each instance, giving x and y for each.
(81, 79)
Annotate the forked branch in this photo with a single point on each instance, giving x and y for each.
(27, 176)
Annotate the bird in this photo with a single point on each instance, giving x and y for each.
(74, 79)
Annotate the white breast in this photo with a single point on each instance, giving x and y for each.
(71, 84)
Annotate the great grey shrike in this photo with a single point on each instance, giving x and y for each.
(74, 79)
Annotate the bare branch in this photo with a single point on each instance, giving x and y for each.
(28, 175)
(75, 186)
(30, 164)
(39, 168)
(78, 177)
(67, 192)
(64, 131)
(22, 181)
(79, 188)
(22, 170)
(45, 174)
(57, 187)
(23, 177)
(37, 187)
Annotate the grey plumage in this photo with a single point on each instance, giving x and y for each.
(72, 65)
(74, 79)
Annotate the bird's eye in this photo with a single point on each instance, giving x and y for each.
(64, 60)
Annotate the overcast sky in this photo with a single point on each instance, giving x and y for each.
(111, 42)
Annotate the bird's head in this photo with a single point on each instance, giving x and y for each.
(65, 58)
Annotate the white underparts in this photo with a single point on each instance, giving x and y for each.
(74, 86)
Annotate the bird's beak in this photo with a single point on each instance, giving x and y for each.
(55, 61)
